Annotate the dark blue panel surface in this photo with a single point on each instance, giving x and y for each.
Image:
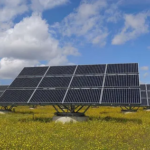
(33, 71)
(121, 96)
(48, 96)
(61, 70)
(90, 69)
(122, 81)
(87, 81)
(25, 82)
(16, 96)
(83, 96)
(55, 82)
(122, 68)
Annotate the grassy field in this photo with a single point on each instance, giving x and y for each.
(107, 129)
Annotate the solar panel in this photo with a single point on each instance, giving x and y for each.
(61, 70)
(87, 81)
(121, 96)
(143, 87)
(90, 69)
(144, 102)
(122, 68)
(16, 96)
(143, 94)
(148, 87)
(121, 81)
(25, 82)
(83, 96)
(55, 82)
(84, 84)
(48, 96)
(33, 71)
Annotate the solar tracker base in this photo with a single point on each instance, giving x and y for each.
(146, 108)
(129, 109)
(69, 119)
(70, 110)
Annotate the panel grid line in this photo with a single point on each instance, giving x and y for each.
(38, 84)
(147, 95)
(103, 85)
(69, 84)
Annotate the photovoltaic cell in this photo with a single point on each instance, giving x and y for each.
(48, 96)
(148, 94)
(87, 81)
(143, 94)
(144, 102)
(143, 87)
(25, 82)
(121, 96)
(16, 96)
(122, 68)
(121, 81)
(90, 69)
(148, 87)
(83, 96)
(61, 70)
(55, 82)
(33, 71)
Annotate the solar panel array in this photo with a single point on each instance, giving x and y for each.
(2, 89)
(104, 84)
(145, 94)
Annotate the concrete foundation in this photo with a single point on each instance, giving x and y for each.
(4, 111)
(128, 112)
(146, 109)
(68, 119)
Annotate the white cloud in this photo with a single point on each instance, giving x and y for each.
(28, 43)
(85, 22)
(135, 25)
(10, 67)
(145, 68)
(40, 5)
(113, 14)
(11, 8)
(145, 74)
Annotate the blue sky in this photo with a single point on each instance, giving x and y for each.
(62, 32)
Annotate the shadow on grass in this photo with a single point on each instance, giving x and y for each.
(36, 119)
(114, 119)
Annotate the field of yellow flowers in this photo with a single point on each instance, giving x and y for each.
(107, 129)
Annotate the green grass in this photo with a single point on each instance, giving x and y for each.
(107, 129)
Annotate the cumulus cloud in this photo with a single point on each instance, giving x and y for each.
(9, 67)
(145, 68)
(85, 21)
(40, 5)
(28, 43)
(135, 25)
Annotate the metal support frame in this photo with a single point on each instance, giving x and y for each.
(129, 109)
(8, 108)
(70, 110)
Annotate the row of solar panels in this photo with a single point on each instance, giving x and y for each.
(74, 96)
(80, 69)
(77, 81)
(87, 84)
(145, 94)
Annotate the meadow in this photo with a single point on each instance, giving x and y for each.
(107, 129)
